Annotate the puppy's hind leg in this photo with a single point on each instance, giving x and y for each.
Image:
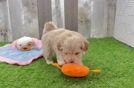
(47, 53)
(48, 56)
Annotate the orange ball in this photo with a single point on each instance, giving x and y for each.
(75, 70)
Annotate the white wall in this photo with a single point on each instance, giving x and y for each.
(99, 19)
(84, 17)
(96, 17)
(124, 24)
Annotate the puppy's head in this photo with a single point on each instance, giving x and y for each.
(24, 43)
(72, 48)
(49, 26)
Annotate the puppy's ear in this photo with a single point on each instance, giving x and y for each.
(59, 47)
(84, 45)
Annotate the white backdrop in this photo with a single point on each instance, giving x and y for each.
(124, 22)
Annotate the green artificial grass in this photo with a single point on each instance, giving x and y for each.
(114, 58)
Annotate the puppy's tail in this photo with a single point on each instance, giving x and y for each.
(49, 26)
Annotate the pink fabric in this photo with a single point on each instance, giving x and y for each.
(37, 43)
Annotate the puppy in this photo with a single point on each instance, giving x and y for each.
(68, 46)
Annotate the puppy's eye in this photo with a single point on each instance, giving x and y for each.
(77, 53)
(20, 45)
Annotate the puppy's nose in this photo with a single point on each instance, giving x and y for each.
(71, 61)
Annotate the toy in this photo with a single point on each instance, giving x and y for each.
(75, 70)
(26, 43)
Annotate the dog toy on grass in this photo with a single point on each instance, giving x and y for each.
(75, 70)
